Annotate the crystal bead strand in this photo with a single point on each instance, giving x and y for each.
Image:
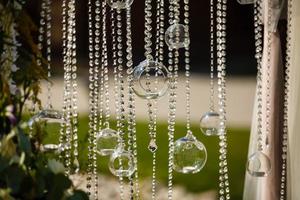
(91, 131)
(118, 79)
(187, 67)
(68, 89)
(74, 97)
(48, 52)
(224, 192)
(62, 137)
(268, 84)
(132, 143)
(212, 56)
(258, 28)
(283, 194)
(172, 108)
(41, 33)
(98, 92)
(105, 64)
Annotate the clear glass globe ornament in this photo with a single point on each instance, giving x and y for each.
(48, 115)
(190, 155)
(52, 148)
(119, 4)
(121, 163)
(150, 79)
(177, 36)
(107, 141)
(210, 123)
(259, 164)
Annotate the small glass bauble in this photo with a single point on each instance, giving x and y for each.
(190, 155)
(259, 164)
(210, 123)
(121, 163)
(49, 115)
(177, 36)
(52, 148)
(119, 4)
(107, 141)
(150, 79)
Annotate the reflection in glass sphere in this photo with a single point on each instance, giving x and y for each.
(177, 36)
(150, 79)
(210, 123)
(189, 155)
(259, 164)
(119, 4)
(49, 115)
(121, 163)
(107, 141)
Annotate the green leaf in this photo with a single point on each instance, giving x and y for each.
(3, 163)
(59, 184)
(24, 142)
(14, 177)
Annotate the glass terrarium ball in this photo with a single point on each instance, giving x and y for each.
(177, 36)
(190, 155)
(49, 115)
(119, 4)
(259, 164)
(150, 79)
(121, 163)
(210, 123)
(107, 141)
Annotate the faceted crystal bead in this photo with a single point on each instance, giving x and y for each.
(177, 36)
(152, 146)
(107, 141)
(190, 155)
(210, 124)
(150, 79)
(259, 164)
(121, 163)
(119, 4)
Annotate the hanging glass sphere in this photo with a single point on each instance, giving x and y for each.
(107, 141)
(150, 79)
(259, 164)
(189, 155)
(121, 163)
(119, 4)
(52, 148)
(49, 115)
(210, 123)
(177, 36)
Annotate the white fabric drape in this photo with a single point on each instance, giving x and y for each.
(267, 188)
(294, 108)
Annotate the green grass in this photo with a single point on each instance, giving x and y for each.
(207, 179)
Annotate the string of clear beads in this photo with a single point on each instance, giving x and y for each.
(224, 192)
(90, 169)
(283, 194)
(212, 56)
(172, 107)
(132, 142)
(48, 52)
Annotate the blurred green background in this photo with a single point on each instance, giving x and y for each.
(206, 179)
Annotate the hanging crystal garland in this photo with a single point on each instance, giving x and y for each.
(131, 128)
(107, 139)
(189, 154)
(121, 161)
(283, 185)
(69, 129)
(224, 191)
(210, 121)
(48, 114)
(259, 164)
